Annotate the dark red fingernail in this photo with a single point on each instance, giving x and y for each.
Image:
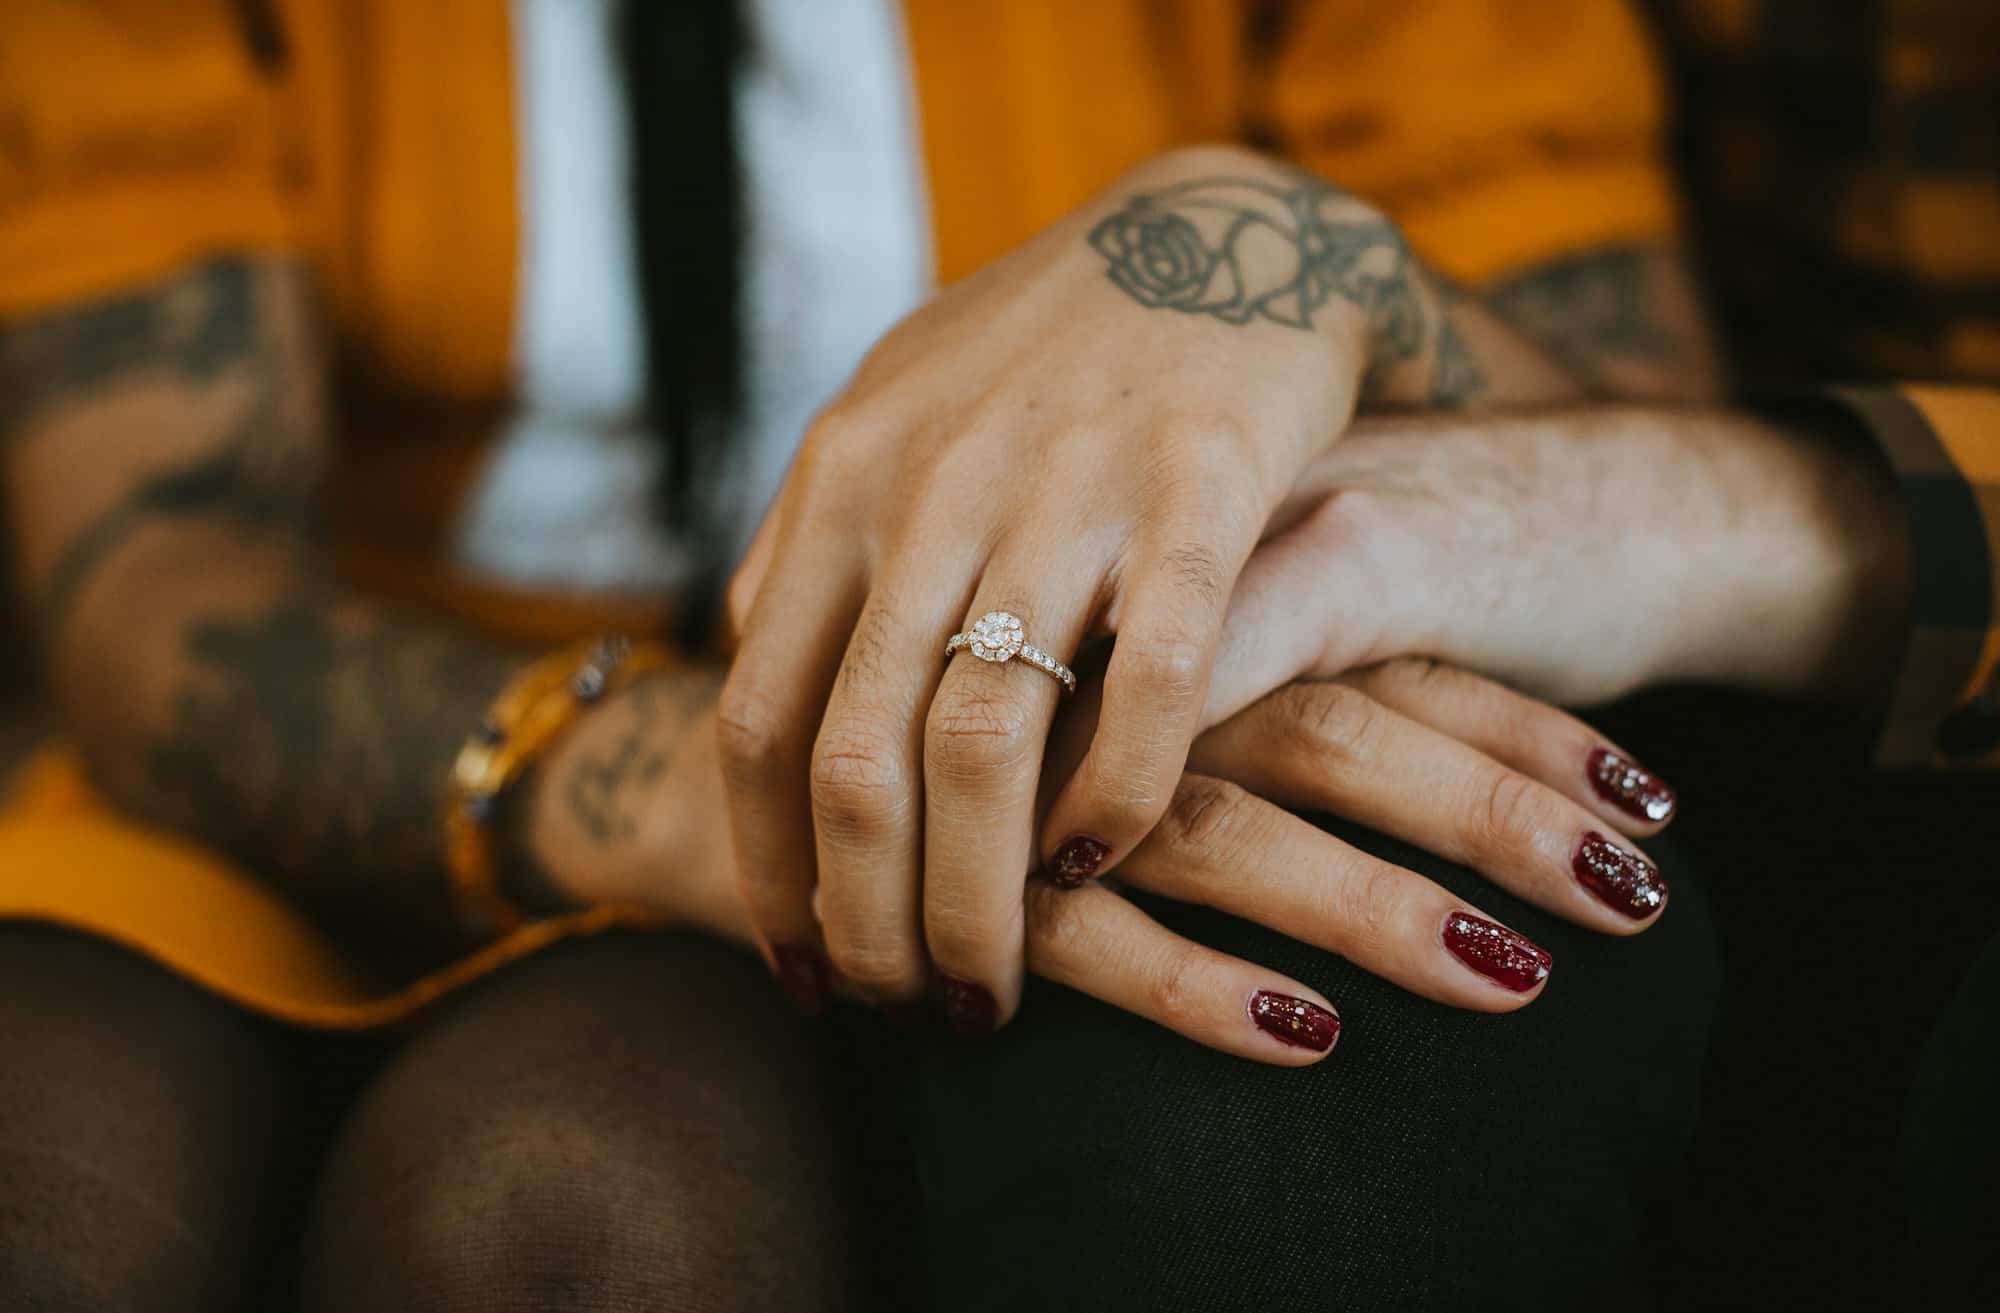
(1077, 860)
(1507, 959)
(1293, 1021)
(804, 973)
(969, 1007)
(1630, 787)
(1623, 880)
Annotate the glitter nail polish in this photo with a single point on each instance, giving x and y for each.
(1630, 787)
(805, 975)
(1294, 1021)
(1509, 960)
(968, 1007)
(1077, 860)
(1622, 879)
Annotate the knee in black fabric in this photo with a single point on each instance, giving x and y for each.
(1439, 1159)
(139, 1121)
(617, 1125)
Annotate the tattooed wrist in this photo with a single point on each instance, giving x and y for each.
(314, 740)
(1241, 249)
(607, 785)
(523, 875)
(226, 324)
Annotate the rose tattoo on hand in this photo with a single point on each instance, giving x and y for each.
(1241, 249)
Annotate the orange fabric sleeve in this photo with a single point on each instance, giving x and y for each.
(1498, 134)
(134, 138)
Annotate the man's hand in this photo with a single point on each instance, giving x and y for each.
(1582, 554)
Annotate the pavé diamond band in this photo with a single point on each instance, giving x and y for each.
(996, 637)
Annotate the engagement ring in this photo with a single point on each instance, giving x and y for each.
(996, 637)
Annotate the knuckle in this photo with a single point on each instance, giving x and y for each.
(756, 741)
(1128, 812)
(1206, 817)
(1505, 820)
(869, 647)
(1054, 924)
(1196, 571)
(1332, 723)
(957, 932)
(1365, 908)
(1207, 468)
(858, 786)
(877, 964)
(1171, 667)
(1418, 677)
(766, 889)
(1178, 991)
(977, 729)
(1205, 448)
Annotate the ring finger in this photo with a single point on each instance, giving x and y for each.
(983, 745)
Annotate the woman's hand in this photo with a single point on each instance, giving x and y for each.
(626, 810)
(627, 807)
(1090, 434)
(1580, 555)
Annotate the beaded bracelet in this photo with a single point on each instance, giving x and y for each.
(524, 720)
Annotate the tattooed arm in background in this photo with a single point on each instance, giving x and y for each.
(164, 458)
(1628, 320)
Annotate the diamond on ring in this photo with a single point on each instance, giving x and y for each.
(998, 637)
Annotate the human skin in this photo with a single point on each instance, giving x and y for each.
(165, 453)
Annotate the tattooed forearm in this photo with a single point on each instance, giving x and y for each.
(606, 791)
(1624, 317)
(314, 738)
(210, 328)
(203, 661)
(187, 330)
(240, 482)
(1240, 249)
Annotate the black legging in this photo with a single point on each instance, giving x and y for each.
(633, 1123)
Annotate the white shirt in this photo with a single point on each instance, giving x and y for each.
(836, 250)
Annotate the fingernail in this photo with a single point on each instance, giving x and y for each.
(1623, 880)
(1293, 1021)
(1077, 860)
(1630, 787)
(804, 973)
(1507, 959)
(968, 1007)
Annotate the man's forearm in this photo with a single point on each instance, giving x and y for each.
(308, 737)
(164, 456)
(1626, 319)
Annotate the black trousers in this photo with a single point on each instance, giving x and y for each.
(1780, 1096)
(1440, 1159)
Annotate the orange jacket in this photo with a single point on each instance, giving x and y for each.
(137, 136)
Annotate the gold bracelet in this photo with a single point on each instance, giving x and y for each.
(528, 716)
